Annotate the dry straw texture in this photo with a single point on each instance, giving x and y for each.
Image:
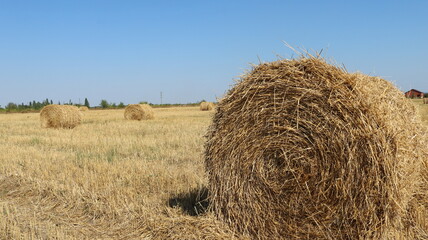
(300, 149)
(139, 112)
(60, 116)
(206, 106)
(83, 108)
(106, 179)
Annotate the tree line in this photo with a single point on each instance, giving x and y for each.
(37, 105)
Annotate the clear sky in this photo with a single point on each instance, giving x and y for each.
(130, 51)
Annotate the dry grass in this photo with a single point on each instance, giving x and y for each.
(419, 206)
(300, 149)
(106, 179)
(422, 109)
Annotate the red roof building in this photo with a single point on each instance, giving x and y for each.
(413, 93)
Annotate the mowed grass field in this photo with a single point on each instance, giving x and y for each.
(423, 110)
(108, 178)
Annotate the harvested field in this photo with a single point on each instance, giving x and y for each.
(422, 108)
(107, 179)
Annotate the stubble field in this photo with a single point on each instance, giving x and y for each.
(108, 178)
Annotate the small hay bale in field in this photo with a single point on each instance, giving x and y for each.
(300, 149)
(60, 116)
(425, 100)
(139, 112)
(206, 106)
(83, 108)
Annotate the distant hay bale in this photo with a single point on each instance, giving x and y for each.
(206, 106)
(425, 100)
(300, 149)
(139, 112)
(60, 116)
(83, 108)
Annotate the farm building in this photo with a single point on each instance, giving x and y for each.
(413, 93)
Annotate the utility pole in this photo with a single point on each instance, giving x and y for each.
(161, 97)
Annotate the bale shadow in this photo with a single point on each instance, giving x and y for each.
(193, 203)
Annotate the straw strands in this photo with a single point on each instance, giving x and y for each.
(206, 106)
(139, 112)
(417, 218)
(300, 149)
(60, 116)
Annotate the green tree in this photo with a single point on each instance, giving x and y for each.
(37, 105)
(11, 106)
(104, 104)
(87, 102)
(121, 105)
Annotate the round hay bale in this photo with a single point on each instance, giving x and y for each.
(425, 100)
(206, 106)
(417, 217)
(139, 112)
(300, 149)
(83, 108)
(60, 116)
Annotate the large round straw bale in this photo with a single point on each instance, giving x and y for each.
(206, 106)
(418, 209)
(425, 100)
(300, 149)
(60, 116)
(83, 108)
(139, 112)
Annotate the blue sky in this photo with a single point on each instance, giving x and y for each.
(130, 51)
